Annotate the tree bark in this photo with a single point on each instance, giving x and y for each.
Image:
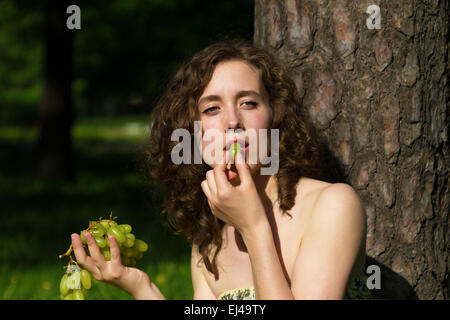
(55, 151)
(379, 97)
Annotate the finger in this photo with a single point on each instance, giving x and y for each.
(243, 169)
(80, 254)
(205, 188)
(211, 183)
(115, 251)
(94, 250)
(227, 160)
(221, 180)
(211, 207)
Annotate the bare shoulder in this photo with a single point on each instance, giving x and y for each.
(332, 246)
(323, 202)
(338, 203)
(338, 195)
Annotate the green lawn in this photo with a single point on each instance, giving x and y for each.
(36, 218)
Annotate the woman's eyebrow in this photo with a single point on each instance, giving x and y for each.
(240, 94)
(212, 97)
(248, 93)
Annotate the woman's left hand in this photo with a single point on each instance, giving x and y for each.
(239, 206)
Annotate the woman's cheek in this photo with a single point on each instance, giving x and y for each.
(212, 149)
(208, 154)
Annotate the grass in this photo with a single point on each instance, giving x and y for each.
(37, 218)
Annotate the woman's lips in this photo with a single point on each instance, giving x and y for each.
(232, 171)
(243, 144)
(245, 149)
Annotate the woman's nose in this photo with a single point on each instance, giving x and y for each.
(233, 120)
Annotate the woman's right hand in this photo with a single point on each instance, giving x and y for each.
(132, 280)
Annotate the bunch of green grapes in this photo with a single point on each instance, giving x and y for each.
(131, 249)
(76, 282)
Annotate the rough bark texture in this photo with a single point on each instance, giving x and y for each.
(380, 99)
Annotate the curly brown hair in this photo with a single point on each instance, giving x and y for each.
(185, 205)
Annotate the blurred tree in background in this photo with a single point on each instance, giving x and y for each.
(56, 117)
(21, 52)
(123, 55)
(117, 63)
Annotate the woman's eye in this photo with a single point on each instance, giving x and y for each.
(209, 110)
(251, 103)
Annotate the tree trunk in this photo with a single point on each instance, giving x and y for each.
(379, 97)
(55, 152)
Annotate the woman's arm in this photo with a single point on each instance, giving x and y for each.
(327, 254)
(269, 280)
(242, 208)
(202, 291)
(330, 245)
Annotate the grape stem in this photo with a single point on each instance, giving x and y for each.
(67, 253)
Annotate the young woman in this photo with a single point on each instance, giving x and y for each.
(286, 235)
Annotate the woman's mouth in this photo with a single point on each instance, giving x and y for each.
(243, 145)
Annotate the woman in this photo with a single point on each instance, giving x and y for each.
(285, 235)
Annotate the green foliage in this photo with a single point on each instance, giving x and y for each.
(20, 60)
(124, 53)
(37, 218)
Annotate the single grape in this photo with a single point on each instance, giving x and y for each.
(101, 241)
(105, 224)
(126, 228)
(98, 231)
(138, 255)
(235, 149)
(130, 236)
(140, 245)
(115, 231)
(74, 280)
(78, 295)
(83, 240)
(69, 297)
(63, 288)
(108, 223)
(106, 253)
(85, 279)
(127, 252)
(129, 241)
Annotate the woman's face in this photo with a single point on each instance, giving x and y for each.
(234, 106)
